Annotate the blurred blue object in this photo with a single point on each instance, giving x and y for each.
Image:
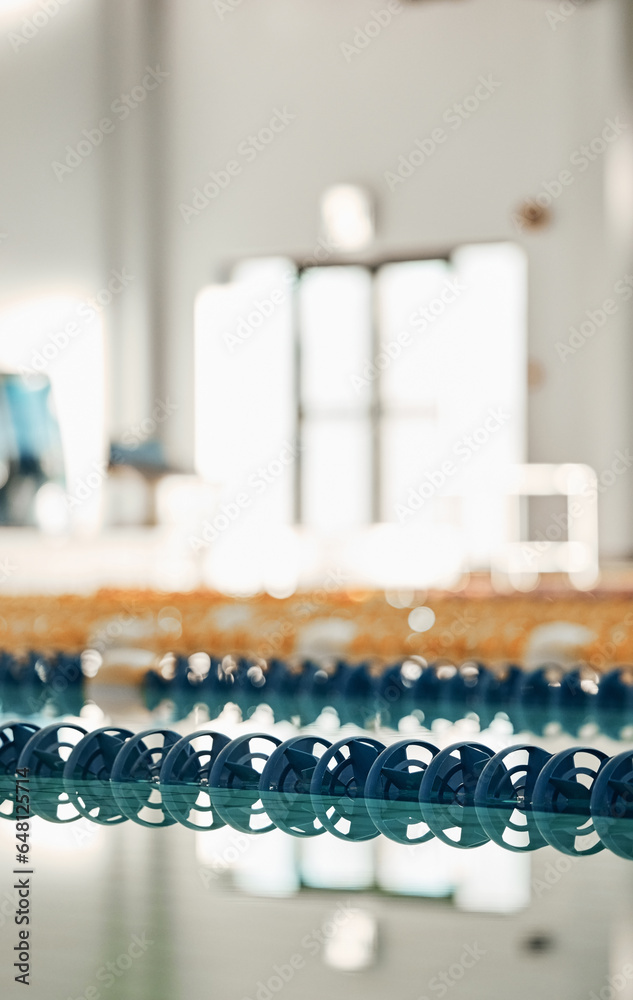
(148, 456)
(30, 446)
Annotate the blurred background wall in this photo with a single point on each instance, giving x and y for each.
(228, 69)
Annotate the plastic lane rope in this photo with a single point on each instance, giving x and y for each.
(578, 801)
(285, 785)
(184, 780)
(87, 775)
(45, 756)
(392, 791)
(136, 774)
(234, 781)
(503, 798)
(338, 788)
(612, 804)
(447, 794)
(13, 738)
(562, 798)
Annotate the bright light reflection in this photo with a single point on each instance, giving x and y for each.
(347, 216)
(421, 619)
(437, 391)
(8, 6)
(248, 560)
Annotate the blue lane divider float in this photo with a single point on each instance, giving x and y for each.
(532, 700)
(34, 682)
(522, 798)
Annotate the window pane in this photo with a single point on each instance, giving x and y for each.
(411, 316)
(335, 317)
(336, 478)
(409, 448)
(485, 349)
(464, 372)
(245, 408)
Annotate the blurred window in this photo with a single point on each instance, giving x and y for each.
(399, 389)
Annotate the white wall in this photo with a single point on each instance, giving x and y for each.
(50, 89)
(353, 120)
(65, 231)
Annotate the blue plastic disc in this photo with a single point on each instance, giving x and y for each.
(614, 701)
(45, 756)
(136, 777)
(338, 788)
(503, 798)
(392, 791)
(13, 738)
(234, 781)
(612, 804)
(447, 794)
(184, 780)
(562, 798)
(285, 785)
(87, 775)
